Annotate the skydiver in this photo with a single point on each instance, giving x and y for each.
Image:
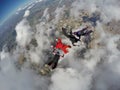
(61, 46)
(83, 32)
(86, 33)
(53, 63)
(72, 38)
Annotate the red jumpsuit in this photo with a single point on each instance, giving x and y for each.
(63, 47)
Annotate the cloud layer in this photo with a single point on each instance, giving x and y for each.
(93, 69)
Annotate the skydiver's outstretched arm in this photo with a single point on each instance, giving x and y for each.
(83, 30)
(90, 31)
(61, 56)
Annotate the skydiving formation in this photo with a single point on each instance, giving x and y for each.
(60, 49)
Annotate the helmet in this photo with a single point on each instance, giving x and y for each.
(58, 52)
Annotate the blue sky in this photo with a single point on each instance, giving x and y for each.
(7, 7)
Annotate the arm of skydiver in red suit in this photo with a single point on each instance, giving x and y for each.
(84, 29)
(61, 56)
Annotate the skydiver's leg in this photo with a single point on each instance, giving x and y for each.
(49, 63)
(55, 63)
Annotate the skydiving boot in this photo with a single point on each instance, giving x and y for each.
(42, 71)
(47, 68)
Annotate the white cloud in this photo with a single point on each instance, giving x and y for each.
(58, 13)
(24, 33)
(109, 8)
(11, 78)
(27, 13)
(46, 15)
(70, 79)
(99, 69)
(38, 1)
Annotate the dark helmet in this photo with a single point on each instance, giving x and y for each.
(57, 52)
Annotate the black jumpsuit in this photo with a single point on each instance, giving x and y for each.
(54, 61)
